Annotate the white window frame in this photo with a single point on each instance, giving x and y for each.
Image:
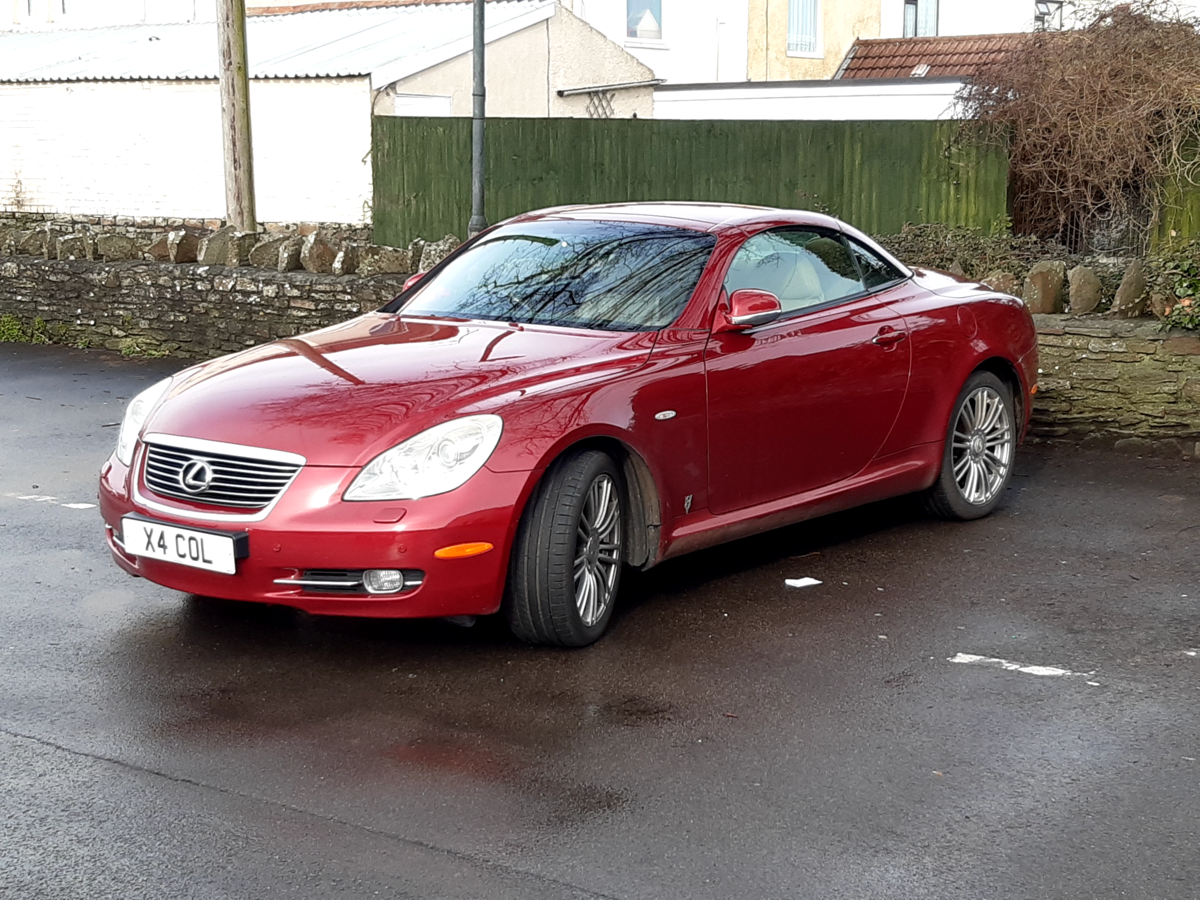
(818, 52)
(919, 7)
(646, 43)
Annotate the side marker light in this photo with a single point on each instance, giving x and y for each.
(462, 551)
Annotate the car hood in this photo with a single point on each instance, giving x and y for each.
(341, 395)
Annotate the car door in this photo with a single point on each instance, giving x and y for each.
(807, 400)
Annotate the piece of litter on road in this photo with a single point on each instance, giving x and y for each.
(1188, 758)
(800, 582)
(1094, 683)
(882, 637)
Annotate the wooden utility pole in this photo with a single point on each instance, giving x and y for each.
(235, 115)
(479, 111)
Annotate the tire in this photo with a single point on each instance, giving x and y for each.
(567, 558)
(981, 444)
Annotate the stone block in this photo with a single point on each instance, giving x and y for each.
(374, 260)
(1130, 301)
(183, 245)
(1133, 445)
(74, 246)
(346, 262)
(1182, 345)
(265, 253)
(317, 254)
(158, 250)
(437, 251)
(1161, 303)
(415, 249)
(116, 247)
(30, 243)
(1043, 291)
(1085, 292)
(214, 249)
(288, 259)
(240, 245)
(1004, 282)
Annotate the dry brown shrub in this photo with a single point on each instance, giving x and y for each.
(1099, 122)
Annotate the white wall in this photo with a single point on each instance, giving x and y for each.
(153, 148)
(703, 40)
(812, 101)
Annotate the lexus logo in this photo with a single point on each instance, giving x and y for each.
(195, 476)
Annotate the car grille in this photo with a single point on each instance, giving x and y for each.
(237, 481)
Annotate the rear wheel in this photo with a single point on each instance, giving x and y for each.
(977, 461)
(566, 563)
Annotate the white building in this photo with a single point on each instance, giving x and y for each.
(125, 119)
(683, 41)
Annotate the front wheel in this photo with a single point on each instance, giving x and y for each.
(977, 461)
(567, 559)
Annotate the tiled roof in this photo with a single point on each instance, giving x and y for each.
(944, 56)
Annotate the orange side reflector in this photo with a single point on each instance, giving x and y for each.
(462, 551)
(1033, 390)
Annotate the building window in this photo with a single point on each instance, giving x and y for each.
(802, 26)
(644, 19)
(920, 18)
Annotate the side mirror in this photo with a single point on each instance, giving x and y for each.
(750, 307)
(412, 279)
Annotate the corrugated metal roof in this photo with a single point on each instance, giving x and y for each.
(944, 56)
(394, 41)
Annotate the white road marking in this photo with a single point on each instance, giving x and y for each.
(972, 660)
(46, 498)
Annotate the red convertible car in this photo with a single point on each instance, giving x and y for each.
(574, 391)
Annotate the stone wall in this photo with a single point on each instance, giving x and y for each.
(187, 311)
(1105, 379)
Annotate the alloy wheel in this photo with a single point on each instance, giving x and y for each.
(598, 550)
(982, 449)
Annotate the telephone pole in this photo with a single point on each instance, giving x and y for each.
(235, 115)
(479, 111)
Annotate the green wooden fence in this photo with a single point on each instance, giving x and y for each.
(875, 175)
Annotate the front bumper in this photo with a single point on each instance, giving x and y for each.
(310, 528)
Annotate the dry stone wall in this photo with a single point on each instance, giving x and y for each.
(188, 311)
(1132, 381)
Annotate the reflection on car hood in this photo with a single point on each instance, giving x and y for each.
(343, 394)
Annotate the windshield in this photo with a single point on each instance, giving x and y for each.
(613, 276)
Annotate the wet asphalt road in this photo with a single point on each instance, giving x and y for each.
(730, 738)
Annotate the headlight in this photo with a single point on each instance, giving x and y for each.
(437, 460)
(136, 414)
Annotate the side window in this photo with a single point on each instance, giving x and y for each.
(802, 268)
(876, 271)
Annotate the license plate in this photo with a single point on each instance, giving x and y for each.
(183, 546)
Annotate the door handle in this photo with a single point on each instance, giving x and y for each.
(888, 336)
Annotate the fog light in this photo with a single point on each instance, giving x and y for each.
(383, 581)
